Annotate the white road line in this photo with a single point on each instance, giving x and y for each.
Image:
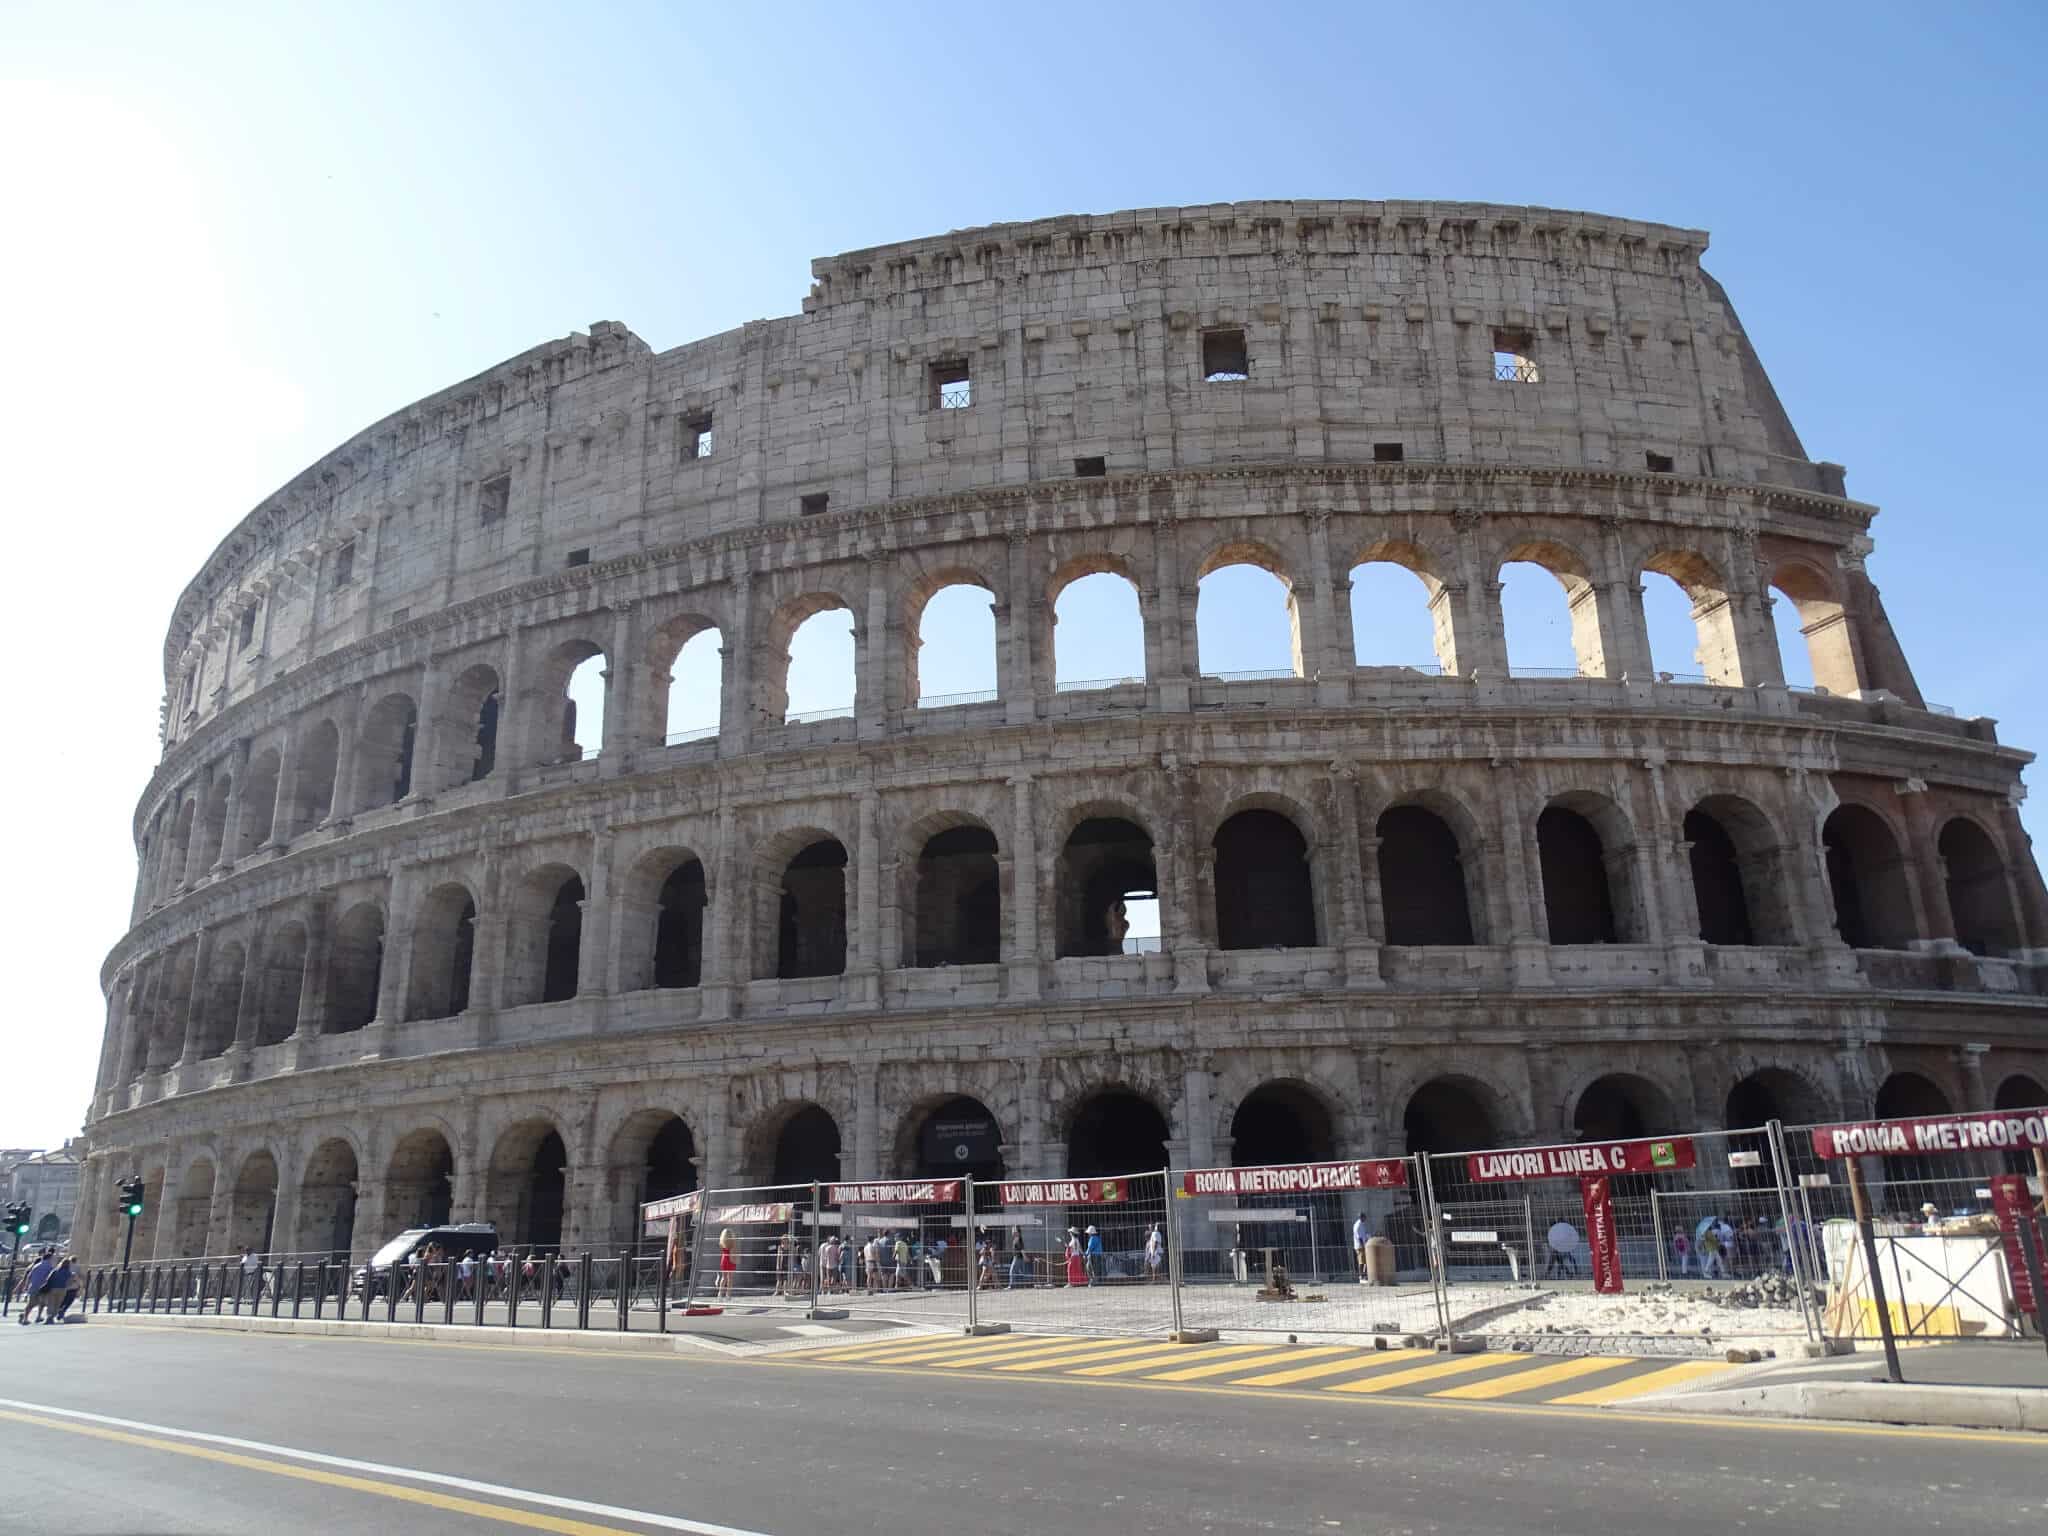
(381, 1469)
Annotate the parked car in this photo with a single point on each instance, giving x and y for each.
(478, 1237)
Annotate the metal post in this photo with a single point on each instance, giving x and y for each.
(816, 1262)
(1657, 1236)
(546, 1270)
(204, 1270)
(514, 1271)
(1439, 1264)
(583, 1273)
(390, 1291)
(625, 1289)
(697, 1226)
(481, 1280)
(1176, 1267)
(973, 1260)
(1315, 1260)
(298, 1286)
(1775, 1131)
(1859, 1199)
(661, 1278)
(448, 1291)
(1528, 1237)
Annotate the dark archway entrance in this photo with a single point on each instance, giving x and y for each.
(1909, 1096)
(1768, 1094)
(2020, 1092)
(1105, 867)
(806, 1149)
(1265, 898)
(1115, 1132)
(958, 1138)
(546, 1191)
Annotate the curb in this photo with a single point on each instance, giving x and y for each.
(1868, 1402)
(532, 1338)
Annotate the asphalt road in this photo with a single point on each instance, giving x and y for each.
(429, 1438)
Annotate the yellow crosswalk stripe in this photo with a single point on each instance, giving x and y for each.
(1132, 1367)
(1090, 1355)
(1535, 1376)
(1200, 1372)
(1653, 1381)
(1362, 1361)
(863, 1351)
(949, 1350)
(1017, 1350)
(1450, 1365)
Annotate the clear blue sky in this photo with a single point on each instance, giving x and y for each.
(237, 235)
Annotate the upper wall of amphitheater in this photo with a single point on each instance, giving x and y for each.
(1362, 325)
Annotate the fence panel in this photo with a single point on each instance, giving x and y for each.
(1284, 1249)
(1075, 1255)
(1668, 1237)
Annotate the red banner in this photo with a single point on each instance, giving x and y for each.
(902, 1192)
(1296, 1178)
(1582, 1161)
(1063, 1192)
(1601, 1242)
(2014, 1208)
(1999, 1131)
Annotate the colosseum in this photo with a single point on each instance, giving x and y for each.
(409, 941)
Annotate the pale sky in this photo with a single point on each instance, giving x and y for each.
(237, 235)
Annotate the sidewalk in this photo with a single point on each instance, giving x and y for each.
(1957, 1386)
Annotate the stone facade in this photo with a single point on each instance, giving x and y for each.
(400, 948)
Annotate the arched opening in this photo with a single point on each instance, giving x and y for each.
(1767, 1094)
(221, 1005)
(806, 1148)
(1624, 1107)
(253, 1206)
(1098, 638)
(1550, 622)
(420, 1181)
(1867, 874)
(1909, 1096)
(958, 915)
(1281, 1122)
(444, 949)
(1115, 1131)
(213, 820)
(652, 1157)
(1689, 621)
(327, 1200)
(384, 752)
(2020, 1092)
(951, 1139)
(355, 964)
(1422, 878)
(528, 1184)
(810, 929)
(1392, 623)
(543, 965)
(1585, 871)
(819, 680)
(1247, 624)
(468, 748)
(1812, 627)
(312, 787)
(1449, 1115)
(951, 657)
(679, 927)
(173, 997)
(1265, 898)
(284, 981)
(693, 705)
(1717, 882)
(194, 1210)
(1105, 872)
(258, 805)
(583, 704)
(1979, 897)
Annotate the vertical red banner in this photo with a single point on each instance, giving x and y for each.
(2013, 1206)
(1605, 1247)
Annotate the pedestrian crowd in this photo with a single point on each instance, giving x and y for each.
(46, 1291)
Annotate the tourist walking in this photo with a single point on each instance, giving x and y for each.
(1155, 1253)
(727, 1264)
(1360, 1232)
(1077, 1272)
(1094, 1257)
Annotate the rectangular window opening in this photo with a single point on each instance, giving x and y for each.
(1224, 358)
(694, 436)
(1514, 360)
(1091, 469)
(248, 635)
(1386, 453)
(493, 498)
(579, 557)
(951, 388)
(814, 503)
(1659, 463)
(345, 564)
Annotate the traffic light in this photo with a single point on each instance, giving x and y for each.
(18, 1218)
(131, 1197)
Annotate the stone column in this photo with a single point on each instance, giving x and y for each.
(1030, 1132)
(195, 999)
(867, 1122)
(867, 956)
(348, 726)
(627, 711)
(726, 894)
(871, 701)
(1321, 627)
(281, 805)
(1469, 608)
(249, 1004)
(1528, 931)
(195, 850)
(1360, 928)
(594, 975)
(1019, 682)
(717, 1155)
(313, 985)
(1025, 884)
(231, 819)
(394, 970)
(515, 717)
(1929, 874)
(1168, 655)
(736, 678)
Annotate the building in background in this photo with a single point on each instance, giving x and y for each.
(48, 1181)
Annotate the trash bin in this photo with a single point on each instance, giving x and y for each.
(1379, 1261)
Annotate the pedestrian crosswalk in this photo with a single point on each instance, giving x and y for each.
(1344, 1369)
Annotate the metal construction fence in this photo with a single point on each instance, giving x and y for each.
(1711, 1236)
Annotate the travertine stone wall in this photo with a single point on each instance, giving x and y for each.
(289, 1017)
